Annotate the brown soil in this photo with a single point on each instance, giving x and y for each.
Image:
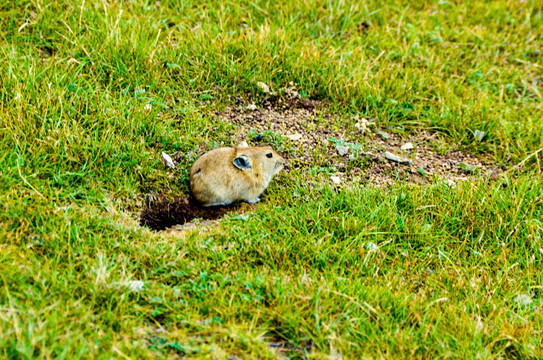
(318, 132)
(309, 120)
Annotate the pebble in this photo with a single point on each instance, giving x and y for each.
(390, 156)
(168, 160)
(251, 107)
(335, 179)
(342, 150)
(371, 246)
(479, 323)
(407, 146)
(265, 88)
(479, 135)
(135, 285)
(523, 299)
(243, 144)
(362, 125)
(295, 137)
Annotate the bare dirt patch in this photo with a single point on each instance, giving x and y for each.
(178, 214)
(313, 139)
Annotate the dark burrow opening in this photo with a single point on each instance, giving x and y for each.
(163, 214)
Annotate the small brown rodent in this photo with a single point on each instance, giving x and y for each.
(225, 175)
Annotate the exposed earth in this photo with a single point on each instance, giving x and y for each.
(310, 139)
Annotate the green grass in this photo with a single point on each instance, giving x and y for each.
(365, 272)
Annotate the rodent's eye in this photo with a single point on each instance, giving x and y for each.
(270, 155)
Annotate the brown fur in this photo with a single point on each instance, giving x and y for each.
(216, 180)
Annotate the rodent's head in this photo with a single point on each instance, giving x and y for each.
(259, 160)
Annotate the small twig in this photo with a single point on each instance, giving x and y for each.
(368, 309)
(436, 301)
(526, 159)
(425, 207)
(378, 57)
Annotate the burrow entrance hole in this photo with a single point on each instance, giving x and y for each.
(164, 214)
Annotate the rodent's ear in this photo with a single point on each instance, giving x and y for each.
(242, 162)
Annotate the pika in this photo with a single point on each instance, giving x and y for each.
(225, 175)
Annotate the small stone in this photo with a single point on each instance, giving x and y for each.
(479, 135)
(295, 137)
(135, 285)
(251, 107)
(371, 246)
(342, 150)
(479, 323)
(407, 146)
(390, 156)
(168, 160)
(362, 125)
(243, 144)
(265, 88)
(335, 179)
(523, 299)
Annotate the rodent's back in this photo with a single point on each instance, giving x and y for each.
(206, 170)
(214, 159)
